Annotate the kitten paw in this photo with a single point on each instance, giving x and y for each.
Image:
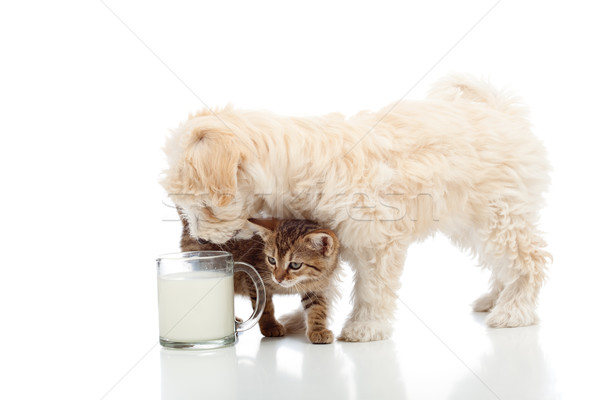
(272, 329)
(365, 331)
(323, 336)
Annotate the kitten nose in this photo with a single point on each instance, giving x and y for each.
(279, 276)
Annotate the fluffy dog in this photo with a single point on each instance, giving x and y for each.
(463, 162)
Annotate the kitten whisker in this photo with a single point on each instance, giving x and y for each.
(306, 291)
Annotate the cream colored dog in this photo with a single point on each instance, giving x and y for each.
(463, 162)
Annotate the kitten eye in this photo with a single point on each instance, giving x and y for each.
(295, 265)
(271, 260)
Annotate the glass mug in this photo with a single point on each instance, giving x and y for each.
(195, 299)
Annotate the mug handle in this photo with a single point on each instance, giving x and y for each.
(260, 296)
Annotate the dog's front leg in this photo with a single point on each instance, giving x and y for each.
(376, 281)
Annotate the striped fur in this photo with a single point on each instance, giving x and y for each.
(287, 241)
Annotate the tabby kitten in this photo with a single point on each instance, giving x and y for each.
(292, 257)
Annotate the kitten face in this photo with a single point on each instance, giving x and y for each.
(299, 253)
(294, 267)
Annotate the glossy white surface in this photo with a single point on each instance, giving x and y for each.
(440, 350)
(88, 94)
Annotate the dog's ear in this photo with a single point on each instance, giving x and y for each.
(211, 164)
(265, 227)
(324, 241)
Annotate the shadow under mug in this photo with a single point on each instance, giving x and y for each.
(195, 299)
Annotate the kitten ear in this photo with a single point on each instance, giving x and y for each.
(324, 241)
(268, 223)
(265, 226)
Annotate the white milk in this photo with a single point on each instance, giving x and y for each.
(195, 306)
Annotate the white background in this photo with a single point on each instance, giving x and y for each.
(89, 91)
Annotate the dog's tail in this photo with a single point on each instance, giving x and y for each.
(463, 87)
(294, 322)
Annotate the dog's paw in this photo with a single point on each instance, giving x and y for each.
(485, 303)
(365, 331)
(322, 336)
(511, 318)
(272, 329)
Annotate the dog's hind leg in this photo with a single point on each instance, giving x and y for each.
(488, 300)
(376, 281)
(514, 250)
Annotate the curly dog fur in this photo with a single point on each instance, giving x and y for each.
(463, 162)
